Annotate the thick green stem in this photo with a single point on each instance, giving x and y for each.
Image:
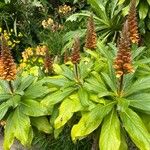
(10, 86)
(120, 86)
(76, 71)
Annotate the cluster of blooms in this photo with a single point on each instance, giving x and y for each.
(90, 43)
(50, 24)
(64, 9)
(129, 35)
(91, 37)
(34, 52)
(122, 62)
(12, 40)
(47, 23)
(7, 66)
(38, 56)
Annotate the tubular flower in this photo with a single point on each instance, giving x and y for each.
(48, 63)
(75, 56)
(7, 66)
(132, 23)
(91, 36)
(122, 63)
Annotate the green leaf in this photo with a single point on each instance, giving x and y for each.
(57, 96)
(90, 121)
(85, 68)
(94, 85)
(15, 100)
(18, 125)
(66, 110)
(109, 82)
(123, 144)
(137, 52)
(145, 119)
(143, 9)
(36, 90)
(3, 108)
(99, 9)
(140, 101)
(110, 132)
(148, 2)
(33, 108)
(5, 86)
(121, 2)
(42, 124)
(56, 80)
(26, 82)
(83, 96)
(67, 72)
(4, 96)
(136, 129)
(140, 84)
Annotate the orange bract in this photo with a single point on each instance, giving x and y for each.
(75, 56)
(122, 62)
(48, 63)
(7, 66)
(132, 23)
(91, 36)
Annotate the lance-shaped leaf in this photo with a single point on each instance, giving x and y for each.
(66, 110)
(27, 81)
(4, 107)
(18, 125)
(42, 124)
(36, 90)
(57, 96)
(136, 129)
(140, 101)
(33, 108)
(110, 133)
(141, 84)
(90, 121)
(83, 96)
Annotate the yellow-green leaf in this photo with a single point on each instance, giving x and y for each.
(18, 125)
(66, 111)
(110, 132)
(136, 129)
(90, 121)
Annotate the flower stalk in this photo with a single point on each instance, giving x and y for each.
(75, 56)
(123, 61)
(91, 37)
(132, 23)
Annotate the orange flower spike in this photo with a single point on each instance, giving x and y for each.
(48, 63)
(91, 37)
(7, 66)
(122, 63)
(75, 56)
(132, 22)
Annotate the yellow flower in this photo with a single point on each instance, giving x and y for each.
(50, 21)
(44, 24)
(0, 29)
(9, 43)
